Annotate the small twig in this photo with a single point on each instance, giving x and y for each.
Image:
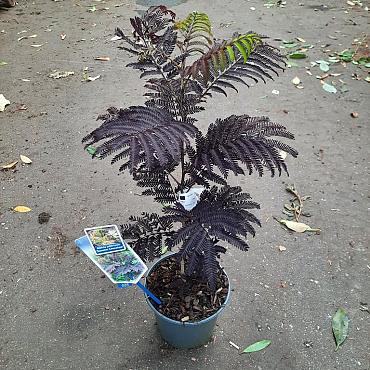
(216, 293)
(234, 345)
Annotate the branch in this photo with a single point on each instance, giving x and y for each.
(220, 75)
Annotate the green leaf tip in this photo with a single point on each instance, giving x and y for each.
(91, 149)
(195, 22)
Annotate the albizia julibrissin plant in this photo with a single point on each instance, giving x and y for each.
(166, 153)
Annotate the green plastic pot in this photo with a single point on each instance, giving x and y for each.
(185, 334)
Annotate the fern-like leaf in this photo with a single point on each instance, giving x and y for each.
(167, 95)
(197, 31)
(244, 57)
(222, 214)
(146, 235)
(153, 41)
(242, 140)
(157, 183)
(221, 55)
(154, 20)
(141, 135)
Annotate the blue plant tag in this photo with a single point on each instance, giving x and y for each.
(126, 285)
(124, 268)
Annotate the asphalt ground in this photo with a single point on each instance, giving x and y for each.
(57, 312)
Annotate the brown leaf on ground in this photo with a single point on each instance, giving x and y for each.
(298, 227)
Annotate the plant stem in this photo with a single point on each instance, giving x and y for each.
(182, 169)
(174, 178)
(154, 60)
(297, 212)
(218, 77)
(182, 113)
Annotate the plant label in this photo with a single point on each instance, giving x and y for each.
(123, 267)
(105, 239)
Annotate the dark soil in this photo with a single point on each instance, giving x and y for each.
(185, 298)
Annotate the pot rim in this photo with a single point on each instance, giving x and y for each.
(193, 323)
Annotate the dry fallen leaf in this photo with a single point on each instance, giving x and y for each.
(9, 166)
(93, 78)
(60, 74)
(22, 107)
(354, 115)
(27, 37)
(298, 227)
(322, 77)
(281, 248)
(22, 209)
(3, 102)
(102, 59)
(296, 81)
(25, 159)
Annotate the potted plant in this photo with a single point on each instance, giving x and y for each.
(186, 170)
